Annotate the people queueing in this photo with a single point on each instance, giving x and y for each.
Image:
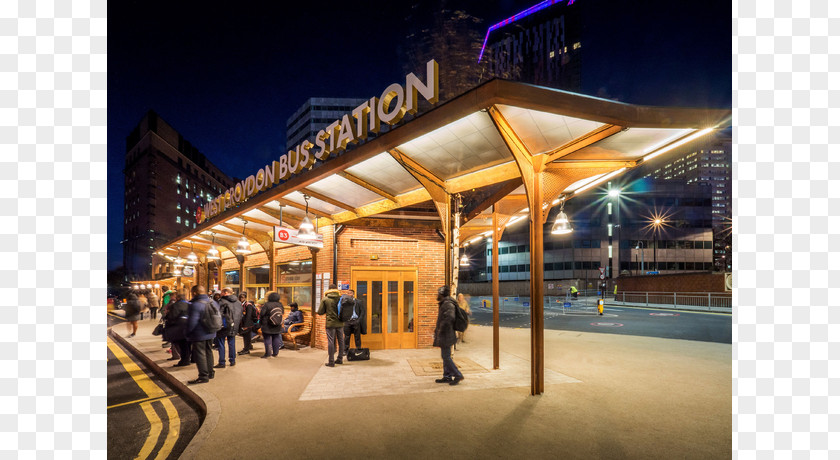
(154, 304)
(272, 333)
(445, 336)
(175, 327)
(231, 310)
(334, 327)
(248, 323)
(132, 310)
(295, 317)
(357, 325)
(199, 337)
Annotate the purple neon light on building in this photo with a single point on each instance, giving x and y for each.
(539, 6)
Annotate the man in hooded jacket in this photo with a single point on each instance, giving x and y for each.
(199, 337)
(334, 327)
(445, 336)
(231, 307)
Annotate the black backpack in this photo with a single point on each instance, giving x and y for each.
(462, 320)
(227, 316)
(211, 318)
(347, 303)
(275, 316)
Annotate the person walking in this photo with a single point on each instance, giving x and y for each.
(272, 337)
(132, 310)
(231, 310)
(445, 336)
(334, 328)
(201, 340)
(175, 328)
(249, 320)
(357, 325)
(154, 304)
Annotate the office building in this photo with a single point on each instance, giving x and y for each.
(166, 180)
(315, 114)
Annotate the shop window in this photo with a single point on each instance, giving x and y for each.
(232, 277)
(256, 275)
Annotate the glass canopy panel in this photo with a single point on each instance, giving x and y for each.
(315, 203)
(542, 132)
(350, 193)
(462, 146)
(629, 145)
(383, 171)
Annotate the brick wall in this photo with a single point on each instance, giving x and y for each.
(689, 282)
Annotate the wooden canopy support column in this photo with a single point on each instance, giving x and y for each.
(442, 200)
(542, 185)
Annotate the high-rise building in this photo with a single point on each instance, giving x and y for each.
(166, 180)
(709, 165)
(450, 32)
(539, 45)
(314, 114)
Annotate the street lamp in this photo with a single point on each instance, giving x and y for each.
(614, 193)
(657, 223)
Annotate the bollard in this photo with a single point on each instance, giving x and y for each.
(601, 307)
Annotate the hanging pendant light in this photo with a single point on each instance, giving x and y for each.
(465, 261)
(243, 247)
(213, 253)
(179, 262)
(562, 225)
(192, 259)
(307, 230)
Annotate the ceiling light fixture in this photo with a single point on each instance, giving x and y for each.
(562, 225)
(599, 180)
(243, 247)
(684, 140)
(213, 253)
(306, 230)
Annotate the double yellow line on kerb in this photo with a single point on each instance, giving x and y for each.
(153, 394)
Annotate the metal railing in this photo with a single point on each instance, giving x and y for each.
(710, 301)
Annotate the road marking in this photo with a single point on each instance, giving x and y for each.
(140, 401)
(154, 393)
(154, 433)
(116, 315)
(173, 432)
(140, 378)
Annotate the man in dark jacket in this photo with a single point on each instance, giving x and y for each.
(175, 325)
(357, 324)
(200, 338)
(246, 326)
(334, 327)
(230, 307)
(445, 336)
(272, 333)
(295, 317)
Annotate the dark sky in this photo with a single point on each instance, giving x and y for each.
(227, 79)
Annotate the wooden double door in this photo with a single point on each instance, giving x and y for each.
(390, 296)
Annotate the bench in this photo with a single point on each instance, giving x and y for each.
(305, 329)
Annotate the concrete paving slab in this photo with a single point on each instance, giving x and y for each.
(606, 396)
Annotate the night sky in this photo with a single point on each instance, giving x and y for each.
(227, 79)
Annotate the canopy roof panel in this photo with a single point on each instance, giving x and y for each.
(461, 146)
(383, 171)
(628, 145)
(542, 132)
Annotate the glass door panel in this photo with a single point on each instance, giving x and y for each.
(389, 297)
(376, 307)
(393, 306)
(408, 306)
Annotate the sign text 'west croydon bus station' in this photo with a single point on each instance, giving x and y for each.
(333, 139)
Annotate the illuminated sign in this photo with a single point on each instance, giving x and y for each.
(396, 100)
(289, 236)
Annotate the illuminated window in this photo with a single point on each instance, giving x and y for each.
(576, 46)
(186, 194)
(178, 179)
(177, 219)
(551, 54)
(178, 206)
(186, 222)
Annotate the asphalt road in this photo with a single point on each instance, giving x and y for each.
(669, 324)
(146, 419)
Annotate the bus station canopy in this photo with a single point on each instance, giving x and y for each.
(482, 147)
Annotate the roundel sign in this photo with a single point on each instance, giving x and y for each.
(282, 235)
(199, 214)
(188, 271)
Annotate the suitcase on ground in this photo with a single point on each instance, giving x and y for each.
(358, 354)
